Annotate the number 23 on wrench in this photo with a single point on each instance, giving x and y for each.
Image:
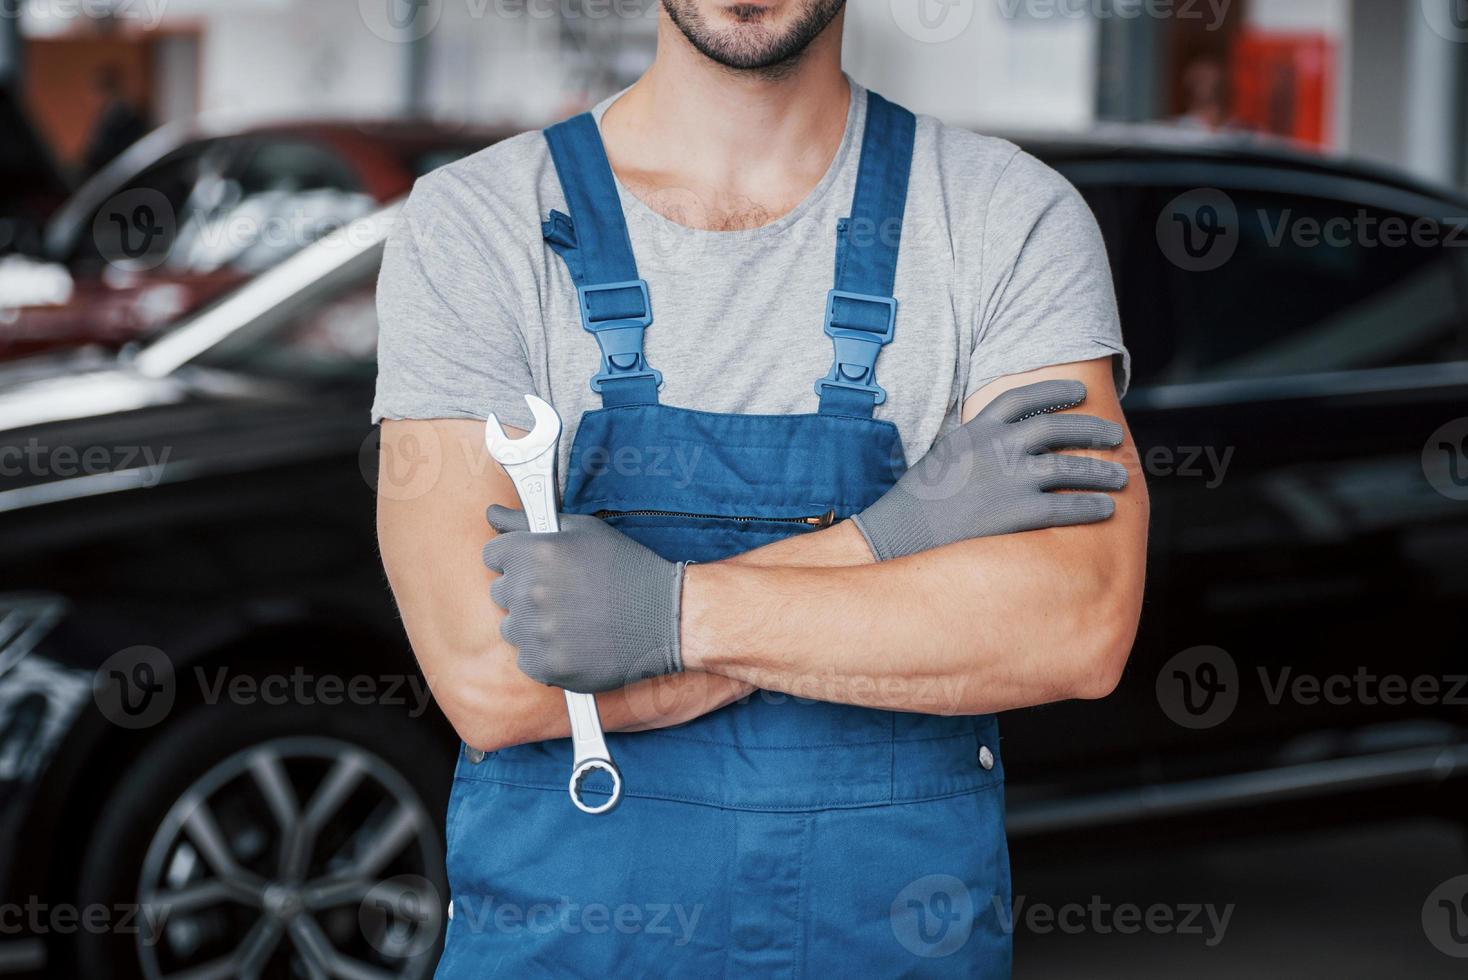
(531, 463)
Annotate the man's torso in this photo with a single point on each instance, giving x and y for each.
(737, 315)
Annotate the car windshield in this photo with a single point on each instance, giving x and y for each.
(312, 317)
(230, 205)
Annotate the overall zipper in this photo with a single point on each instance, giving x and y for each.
(818, 520)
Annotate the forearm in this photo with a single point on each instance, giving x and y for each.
(492, 705)
(1002, 620)
(833, 547)
(984, 625)
(430, 541)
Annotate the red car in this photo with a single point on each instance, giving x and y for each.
(190, 212)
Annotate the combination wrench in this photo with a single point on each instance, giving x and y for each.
(531, 463)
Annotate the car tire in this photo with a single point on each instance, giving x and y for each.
(261, 842)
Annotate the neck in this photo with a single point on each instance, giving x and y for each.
(694, 124)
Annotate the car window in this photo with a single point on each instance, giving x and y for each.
(237, 205)
(283, 164)
(1148, 330)
(327, 331)
(1308, 285)
(281, 195)
(186, 179)
(1297, 284)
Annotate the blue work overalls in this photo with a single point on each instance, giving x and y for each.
(779, 836)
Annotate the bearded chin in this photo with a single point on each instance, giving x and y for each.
(753, 46)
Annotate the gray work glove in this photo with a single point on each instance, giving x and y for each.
(589, 608)
(994, 475)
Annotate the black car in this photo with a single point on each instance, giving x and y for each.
(210, 718)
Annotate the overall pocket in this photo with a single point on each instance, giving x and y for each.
(686, 536)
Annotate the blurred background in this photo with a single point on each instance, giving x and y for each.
(319, 111)
(216, 756)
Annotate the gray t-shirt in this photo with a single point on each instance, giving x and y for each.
(1001, 270)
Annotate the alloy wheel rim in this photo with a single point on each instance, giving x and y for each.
(300, 857)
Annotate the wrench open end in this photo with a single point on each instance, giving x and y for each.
(511, 452)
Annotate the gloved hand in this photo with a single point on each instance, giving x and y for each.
(993, 475)
(589, 608)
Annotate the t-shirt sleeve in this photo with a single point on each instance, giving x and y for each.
(451, 343)
(1046, 290)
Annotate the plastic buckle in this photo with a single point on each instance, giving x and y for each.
(620, 338)
(857, 347)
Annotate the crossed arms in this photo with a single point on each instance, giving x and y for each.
(987, 624)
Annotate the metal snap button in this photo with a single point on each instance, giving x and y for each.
(475, 756)
(451, 910)
(986, 758)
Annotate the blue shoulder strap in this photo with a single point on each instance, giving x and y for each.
(861, 314)
(594, 243)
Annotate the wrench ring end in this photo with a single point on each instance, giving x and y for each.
(586, 768)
